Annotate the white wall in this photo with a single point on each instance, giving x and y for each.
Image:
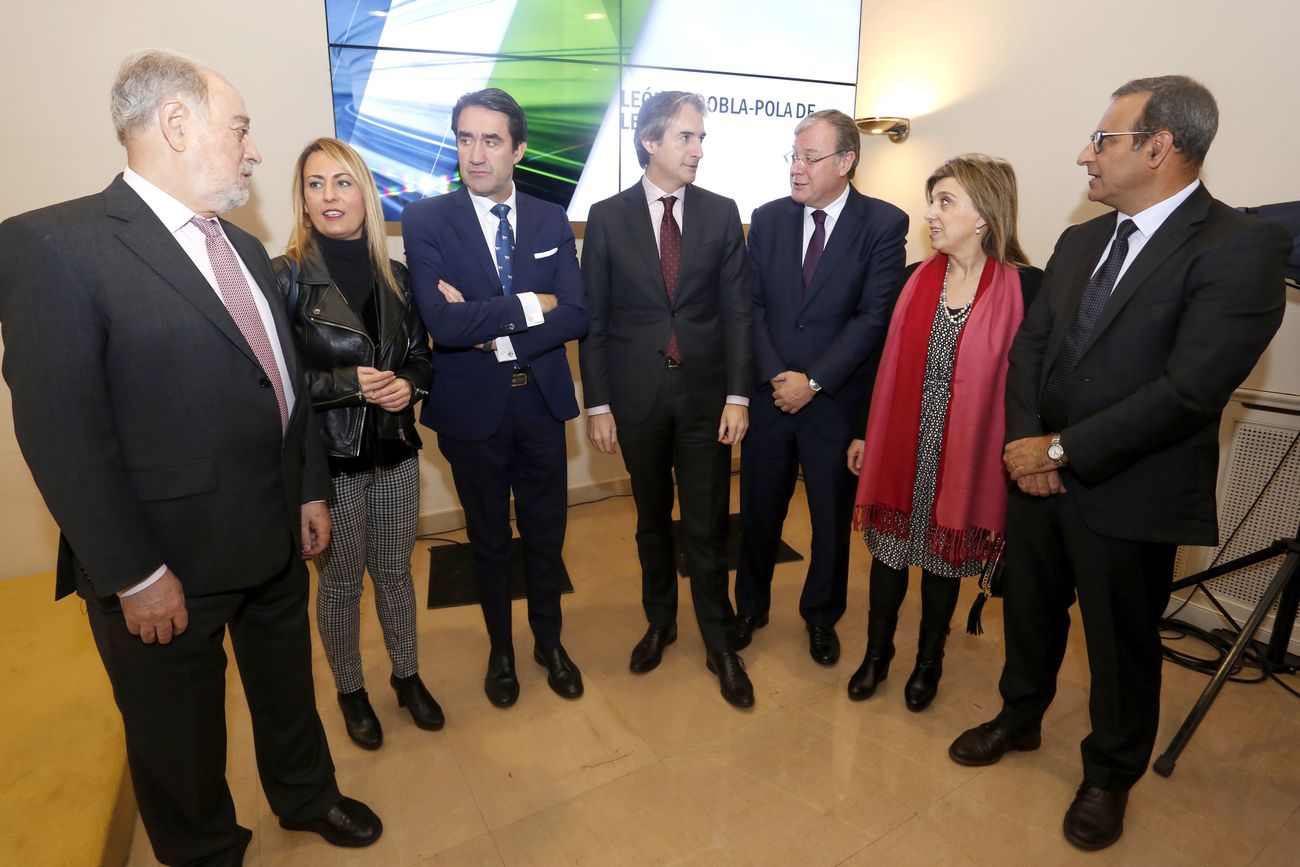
(1025, 80)
(1029, 79)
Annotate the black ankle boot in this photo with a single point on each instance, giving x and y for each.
(359, 717)
(875, 666)
(412, 695)
(923, 685)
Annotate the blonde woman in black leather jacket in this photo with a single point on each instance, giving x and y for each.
(368, 362)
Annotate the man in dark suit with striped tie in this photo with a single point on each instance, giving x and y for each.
(1149, 316)
(495, 274)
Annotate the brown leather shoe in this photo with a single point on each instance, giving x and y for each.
(1096, 818)
(988, 742)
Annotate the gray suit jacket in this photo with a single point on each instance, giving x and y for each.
(622, 356)
(150, 429)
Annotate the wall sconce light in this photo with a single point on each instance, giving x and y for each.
(897, 128)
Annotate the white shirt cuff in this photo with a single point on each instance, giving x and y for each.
(738, 400)
(143, 585)
(532, 308)
(503, 348)
(599, 410)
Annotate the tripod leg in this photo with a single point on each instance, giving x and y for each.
(1284, 622)
(1164, 766)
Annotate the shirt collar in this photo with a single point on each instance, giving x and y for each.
(833, 209)
(171, 212)
(1152, 218)
(654, 194)
(483, 205)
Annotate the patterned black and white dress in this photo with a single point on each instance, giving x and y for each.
(941, 353)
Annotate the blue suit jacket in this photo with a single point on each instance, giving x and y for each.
(834, 332)
(470, 387)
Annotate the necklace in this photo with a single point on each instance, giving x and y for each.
(959, 317)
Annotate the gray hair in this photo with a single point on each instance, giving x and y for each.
(847, 137)
(149, 78)
(1181, 105)
(656, 113)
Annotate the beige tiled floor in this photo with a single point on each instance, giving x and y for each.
(657, 769)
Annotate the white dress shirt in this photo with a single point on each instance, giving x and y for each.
(490, 223)
(652, 197)
(833, 211)
(1147, 223)
(176, 217)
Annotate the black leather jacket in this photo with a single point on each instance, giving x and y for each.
(332, 340)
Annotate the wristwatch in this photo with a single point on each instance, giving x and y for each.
(1056, 451)
(814, 385)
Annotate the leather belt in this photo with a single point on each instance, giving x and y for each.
(519, 378)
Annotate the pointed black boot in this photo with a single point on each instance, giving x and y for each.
(923, 685)
(875, 665)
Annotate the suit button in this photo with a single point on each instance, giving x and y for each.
(673, 314)
(510, 326)
(800, 327)
(264, 382)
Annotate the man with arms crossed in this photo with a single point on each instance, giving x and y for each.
(1148, 318)
(666, 368)
(495, 274)
(158, 401)
(828, 264)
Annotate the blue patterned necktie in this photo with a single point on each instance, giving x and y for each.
(1091, 304)
(505, 247)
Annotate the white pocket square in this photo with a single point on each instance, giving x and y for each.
(545, 253)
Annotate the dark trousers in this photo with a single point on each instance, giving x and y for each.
(173, 703)
(1122, 588)
(682, 436)
(770, 461)
(526, 455)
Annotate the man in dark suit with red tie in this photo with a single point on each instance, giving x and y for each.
(665, 371)
(495, 274)
(162, 410)
(1148, 318)
(828, 262)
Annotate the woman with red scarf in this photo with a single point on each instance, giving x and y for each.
(932, 491)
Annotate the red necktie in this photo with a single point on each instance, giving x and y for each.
(670, 260)
(239, 301)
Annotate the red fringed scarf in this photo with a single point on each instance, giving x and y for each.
(969, 513)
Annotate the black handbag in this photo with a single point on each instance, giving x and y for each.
(992, 581)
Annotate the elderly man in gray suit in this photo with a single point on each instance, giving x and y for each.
(156, 401)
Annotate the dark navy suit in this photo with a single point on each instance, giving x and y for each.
(833, 333)
(498, 438)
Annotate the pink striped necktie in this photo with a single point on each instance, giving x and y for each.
(239, 301)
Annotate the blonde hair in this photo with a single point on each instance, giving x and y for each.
(991, 184)
(300, 239)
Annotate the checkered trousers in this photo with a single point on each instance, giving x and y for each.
(374, 514)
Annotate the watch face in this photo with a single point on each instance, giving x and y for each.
(1055, 452)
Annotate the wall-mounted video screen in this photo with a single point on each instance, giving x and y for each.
(580, 69)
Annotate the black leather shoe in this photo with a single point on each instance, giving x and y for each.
(730, 669)
(649, 651)
(359, 717)
(412, 695)
(562, 676)
(923, 685)
(823, 644)
(348, 823)
(746, 626)
(988, 742)
(501, 684)
(1096, 818)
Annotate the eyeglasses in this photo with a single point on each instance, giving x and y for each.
(808, 162)
(1098, 137)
